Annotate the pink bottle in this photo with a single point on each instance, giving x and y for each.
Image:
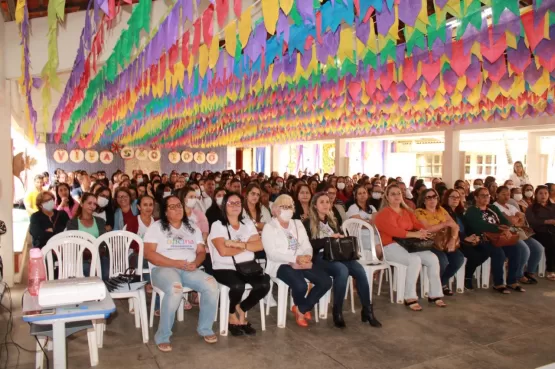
(37, 272)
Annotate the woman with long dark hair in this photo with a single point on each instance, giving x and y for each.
(302, 198)
(105, 207)
(64, 200)
(252, 208)
(541, 216)
(232, 241)
(175, 249)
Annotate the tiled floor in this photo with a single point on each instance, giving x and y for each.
(478, 330)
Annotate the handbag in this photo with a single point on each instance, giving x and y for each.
(128, 277)
(413, 244)
(501, 239)
(249, 268)
(341, 249)
(524, 233)
(442, 238)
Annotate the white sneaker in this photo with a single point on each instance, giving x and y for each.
(269, 299)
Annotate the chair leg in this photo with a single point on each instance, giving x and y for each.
(262, 315)
(224, 309)
(283, 293)
(180, 314)
(269, 294)
(370, 277)
(152, 308)
(382, 272)
(324, 303)
(316, 313)
(39, 356)
(137, 307)
(142, 310)
(390, 284)
(351, 284)
(486, 271)
(93, 347)
(401, 275)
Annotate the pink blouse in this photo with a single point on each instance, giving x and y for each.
(70, 212)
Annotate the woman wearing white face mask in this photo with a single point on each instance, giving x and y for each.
(214, 214)
(528, 195)
(289, 255)
(204, 201)
(188, 197)
(46, 222)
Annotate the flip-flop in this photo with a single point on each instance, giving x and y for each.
(504, 290)
(516, 288)
(437, 301)
(165, 347)
(211, 339)
(412, 305)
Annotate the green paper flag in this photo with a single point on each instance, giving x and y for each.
(473, 16)
(498, 6)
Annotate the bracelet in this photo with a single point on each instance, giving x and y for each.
(245, 244)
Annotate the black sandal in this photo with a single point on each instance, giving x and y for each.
(447, 291)
(531, 279)
(502, 290)
(517, 288)
(436, 300)
(235, 330)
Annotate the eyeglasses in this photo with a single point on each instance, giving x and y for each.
(433, 197)
(455, 197)
(484, 196)
(286, 207)
(122, 197)
(234, 204)
(175, 206)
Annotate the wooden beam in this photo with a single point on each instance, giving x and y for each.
(11, 10)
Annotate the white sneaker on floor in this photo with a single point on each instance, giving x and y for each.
(269, 299)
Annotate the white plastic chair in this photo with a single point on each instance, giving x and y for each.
(425, 282)
(483, 274)
(368, 259)
(118, 244)
(69, 253)
(543, 265)
(459, 278)
(80, 235)
(283, 296)
(224, 300)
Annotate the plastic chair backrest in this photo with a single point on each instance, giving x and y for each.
(118, 244)
(354, 228)
(73, 234)
(69, 255)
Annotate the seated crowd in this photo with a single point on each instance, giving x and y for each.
(205, 229)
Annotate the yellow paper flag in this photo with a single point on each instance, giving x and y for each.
(286, 5)
(19, 11)
(245, 25)
(230, 39)
(202, 60)
(346, 42)
(270, 12)
(214, 52)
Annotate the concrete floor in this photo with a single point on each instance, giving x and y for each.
(480, 329)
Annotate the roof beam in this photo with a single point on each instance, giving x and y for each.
(11, 10)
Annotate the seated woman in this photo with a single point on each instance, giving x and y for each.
(484, 217)
(188, 197)
(235, 241)
(519, 176)
(253, 209)
(435, 219)
(528, 192)
(214, 212)
(302, 201)
(46, 222)
(289, 257)
(126, 211)
(541, 216)
(492, 188)
(64, 200)
(472, 247)
(105, 209)
(337, 209)
(175, 249)
(395, 219)
(362, 210)
(320, 225)
(534, 249)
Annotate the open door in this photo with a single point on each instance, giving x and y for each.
(239, 160)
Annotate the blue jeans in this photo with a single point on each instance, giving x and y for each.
(533, 253)
(295, 279)
(516, 255)
(104, 267)
(340, 271)
(171, 281)
(449, 264)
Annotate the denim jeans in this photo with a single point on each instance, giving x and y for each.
(534, 251)
(104, 267)
(516, 255)
(449, 264)
(340, 271)
(172, 281)
(295, 279)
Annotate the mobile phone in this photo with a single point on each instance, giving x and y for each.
(39, 312)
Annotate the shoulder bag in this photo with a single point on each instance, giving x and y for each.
(413, 244)
(341, 249)
(442, 238)
(501, 239)
(248, 268)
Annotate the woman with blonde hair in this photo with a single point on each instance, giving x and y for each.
(321, 225)
(519, 176)
(396, 220)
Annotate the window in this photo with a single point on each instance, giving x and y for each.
(478, 165)
(429, 165)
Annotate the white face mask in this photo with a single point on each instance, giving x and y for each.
(166, 194)
(202, 188)
(102, 201)
(517, 196)
(286, 215)
(280, 184)
(48, 206)
(218, 179)
(529, 194)
(219, 201)
(197, 193)
(191, 203)
(341, 186)
(477, 187)
(408, 194)
(376, 195)
(139, 180)
(510, 187)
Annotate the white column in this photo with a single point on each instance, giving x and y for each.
(274, 158)
(6, 176)
(231, 158)
(533, 162)
(452, 165)
(341, 160)
(386, 144)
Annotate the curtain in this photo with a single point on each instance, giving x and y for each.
(260, 159)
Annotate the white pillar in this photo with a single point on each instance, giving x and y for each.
(452, 166)
(274, 158)
(533, 162)
(6, 176)
(386, 144)
(341, 160)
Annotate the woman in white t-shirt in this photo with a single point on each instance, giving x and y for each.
(233, 241)
(533, 248)
(519, 176)
(289, 254)
(175, 249)
(362, 210)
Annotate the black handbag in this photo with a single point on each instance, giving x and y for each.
(415, 244)
(341, 249)
(249, 268)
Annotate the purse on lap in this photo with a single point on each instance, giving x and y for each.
(341, 249)
(249, 268)
(413, 244)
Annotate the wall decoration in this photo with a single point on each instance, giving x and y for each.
(212, 158)
(174, 157)
(127, 153)
(187, 156)
(91, 156)
(106, 157)
(76, 156)
(61, 156)
(200, 157)
(329, 158)
(154, 155)
(141, 154)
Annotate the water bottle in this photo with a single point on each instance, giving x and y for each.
(37, 272)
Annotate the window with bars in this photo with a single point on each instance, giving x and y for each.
(478, 165)
(429, 165)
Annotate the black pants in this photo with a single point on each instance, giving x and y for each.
(475, 256)
(207, 264)
(548, 242)
(236, 283)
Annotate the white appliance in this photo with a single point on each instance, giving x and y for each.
(72, 291)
